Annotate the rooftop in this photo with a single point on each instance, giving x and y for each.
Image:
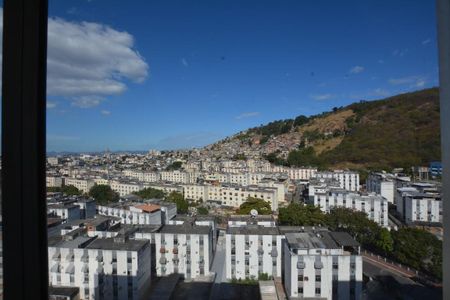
(253, 230)
(148, 207)
(186, 228)
(311, 240)
(111, 244)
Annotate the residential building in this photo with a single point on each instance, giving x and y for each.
(347, 179)
(133, 213)
(84, 185)
(110, 268)
(252, 250)
(185, 249)
(319, 264)
(375, 206)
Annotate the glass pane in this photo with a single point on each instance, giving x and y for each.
(222, 141)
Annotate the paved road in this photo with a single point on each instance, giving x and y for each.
(218, 267)
(387, 284)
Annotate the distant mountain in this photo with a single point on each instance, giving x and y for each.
(399, 131)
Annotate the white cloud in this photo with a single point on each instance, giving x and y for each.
(322, 97)
(412, 81)
(89, 60)
(87, 101)
(356, 69)
(425, 42)
(105, 112)
(247, 115)
(184, 62)
(51, 104)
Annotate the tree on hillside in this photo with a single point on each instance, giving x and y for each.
(178, 199)
(174, 166)
(303, 157)
(300, 120)
(297, 214)
(103, 194)
(150, 193)
(263, 207)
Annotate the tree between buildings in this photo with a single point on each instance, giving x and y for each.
(103, 194)
(263, 207)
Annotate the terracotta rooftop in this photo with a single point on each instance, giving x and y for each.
(148, 207)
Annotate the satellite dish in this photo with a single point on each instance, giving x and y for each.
(254, 213)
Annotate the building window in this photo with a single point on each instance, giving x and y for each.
(317, 291)
(318, 278)
(300, 277)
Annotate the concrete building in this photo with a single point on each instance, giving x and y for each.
(375, 206)
(133, 213)
(381, 184)
(418, 207)
(184, 249)
(84, 185)
(347, 179)
(386, 184)
(322, 265)
(252, 250)
(53, 181)
(231, 195)
(111, 268)
(66, 212)
(53, 161)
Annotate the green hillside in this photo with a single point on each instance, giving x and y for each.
(399, 131)
(403, 131)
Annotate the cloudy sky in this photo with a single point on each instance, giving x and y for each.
(135, 75)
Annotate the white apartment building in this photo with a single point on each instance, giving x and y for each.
(347, 179)
(252, 250)
(415, 206)
(125, 188)
(53, 181)
(142, 176)
(84, 185)
(130, 213)
(111, 268)
(67, 212)
(375, 206)
(300, 173)
(243, 179)
(318, 265)
(382, 184)
(231, 195)
(175, 176)
(53, 161)
(184, 249)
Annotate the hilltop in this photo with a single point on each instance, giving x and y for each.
(399, 131)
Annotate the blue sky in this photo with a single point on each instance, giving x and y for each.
(174, 74)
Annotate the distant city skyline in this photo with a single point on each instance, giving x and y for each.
(175, 74)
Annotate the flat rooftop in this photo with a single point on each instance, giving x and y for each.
(253, 230)
(111, 244)
(311, 240)
(185, 229)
